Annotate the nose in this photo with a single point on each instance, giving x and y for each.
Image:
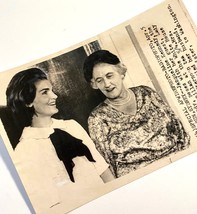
(106, 83)
(53, 95)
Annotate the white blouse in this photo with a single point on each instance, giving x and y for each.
(44, 176)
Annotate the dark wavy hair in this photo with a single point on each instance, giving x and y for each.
(100, 56)
(21, 92)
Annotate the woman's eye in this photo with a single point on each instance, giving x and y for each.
(109, 75)
(44, 92)
(99, 80)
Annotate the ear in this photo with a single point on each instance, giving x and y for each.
(123, 70)
(93, 84)
(122, 76)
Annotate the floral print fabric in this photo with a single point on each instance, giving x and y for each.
(128, 142)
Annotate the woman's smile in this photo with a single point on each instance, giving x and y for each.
(109, 80)
(110, 89)
(45, 100)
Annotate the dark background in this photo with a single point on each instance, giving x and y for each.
(76, 99)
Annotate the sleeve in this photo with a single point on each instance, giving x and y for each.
(21, 155)
(22, 162)
(80, 133)
(98, 135)
(157, 100)
(34, 175)
(175, 126)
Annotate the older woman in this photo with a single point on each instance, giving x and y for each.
(56, 160)
(132, 127)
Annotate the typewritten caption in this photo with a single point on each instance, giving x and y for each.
(177, 59)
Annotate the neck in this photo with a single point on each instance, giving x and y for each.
(41, 122)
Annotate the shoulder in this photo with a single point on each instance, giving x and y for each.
(32, 133)
(99, 110)
(72, 127)
(144, 92)
(25, 140)
(143, 89)
(71, 123)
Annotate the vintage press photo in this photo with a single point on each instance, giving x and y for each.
(94, 117)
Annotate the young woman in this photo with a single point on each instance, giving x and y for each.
(56, 160)
(132, 127)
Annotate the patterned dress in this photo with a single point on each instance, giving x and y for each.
(128, 142)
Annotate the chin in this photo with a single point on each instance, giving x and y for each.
(54, 111)
(112, 96)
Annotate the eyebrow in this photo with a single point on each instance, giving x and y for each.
(44, 89)
(105, 75)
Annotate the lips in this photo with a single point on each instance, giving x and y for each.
(52, 104)
(110, 89)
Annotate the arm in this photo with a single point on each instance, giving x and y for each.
(78, 131)
(99, 138)
(175, 126)
(99, 134)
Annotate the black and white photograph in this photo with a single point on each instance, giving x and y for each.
(87, 120)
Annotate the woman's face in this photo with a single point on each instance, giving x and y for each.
(45, 100)
(108, 80)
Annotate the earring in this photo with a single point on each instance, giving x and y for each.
(29, 105)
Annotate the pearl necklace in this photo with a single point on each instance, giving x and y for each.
(122, 102)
